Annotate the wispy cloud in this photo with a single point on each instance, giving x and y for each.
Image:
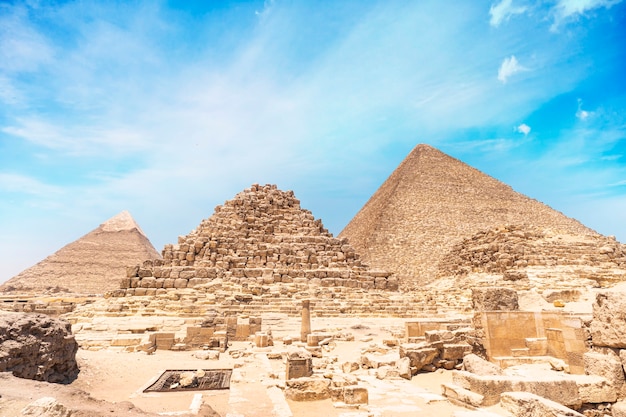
(509, 67)
(503, 11)
(580, 113)
(523, 128)
(566, 10)
(18, 183)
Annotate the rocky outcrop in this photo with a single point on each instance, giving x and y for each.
(608, 327)
(37, 347)
(494, 299)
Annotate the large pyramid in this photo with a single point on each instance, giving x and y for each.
(432, 202)
(260, 237)
(92, 264)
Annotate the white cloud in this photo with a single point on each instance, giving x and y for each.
(503, 11)
(580, 113)
(523, 128)
(509, 67)
(569, 9)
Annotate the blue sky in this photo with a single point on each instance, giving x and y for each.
(167, 109)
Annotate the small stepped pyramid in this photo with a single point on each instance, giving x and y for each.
(260, 237)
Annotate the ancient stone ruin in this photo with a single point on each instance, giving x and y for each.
(512, 302)
(37, 347)
(260, 237)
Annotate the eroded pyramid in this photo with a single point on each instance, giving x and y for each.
(93, 264)
(260, 237)
(432, 202)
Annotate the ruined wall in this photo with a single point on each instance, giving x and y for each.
(522, 333)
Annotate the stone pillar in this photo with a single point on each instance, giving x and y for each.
(305, 330)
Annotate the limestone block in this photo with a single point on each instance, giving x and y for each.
(455, 351)
(355, 395)
(348, 367)
(404, 367)
(457, 393)
(608, 327)
(387, 372)
(148, 282)
(593, 389)
(307, 389)
(619, 409)
(525, 404)
(180, 283)
(556, 388)
(479, 366)
(607, 366)
(494, 299)
(419, 355)
(371, 360)
(46, 406)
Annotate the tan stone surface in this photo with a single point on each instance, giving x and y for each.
(92, 264)
(432, 202)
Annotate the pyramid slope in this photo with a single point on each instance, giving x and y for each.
(93, 264)
(429, 203)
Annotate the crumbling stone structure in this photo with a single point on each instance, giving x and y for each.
(35, 346)
(262, 236)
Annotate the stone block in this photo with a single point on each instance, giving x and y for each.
(455, 351)
(459, 394)
(494, 299)
(355, 395)
(554, 387)
(307, 389)
(419, 355)
(607, 366)
(608, 327)
(525, 404)
(299, 368)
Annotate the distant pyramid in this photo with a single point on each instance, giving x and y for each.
(93, 264)
(432, 202)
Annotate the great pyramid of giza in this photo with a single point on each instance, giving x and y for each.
(93, 264)
(430, 203)
(262, 236)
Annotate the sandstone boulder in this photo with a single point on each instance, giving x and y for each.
(36, 346)
(479, 366)
(307, 389)
(494, 299)
(608, 327)
(525, 404)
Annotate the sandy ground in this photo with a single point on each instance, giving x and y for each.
(119, 378)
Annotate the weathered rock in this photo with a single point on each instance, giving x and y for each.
(348, 367)
(370, 360)
(46, 407)
(404, 367)
(608, 327)
(619, 409)
(525, 404)
(35, 346)
(607, 366)
(477, 365)
(494, 299)
(419, 355)
(307, 389)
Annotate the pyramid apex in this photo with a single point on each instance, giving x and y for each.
(120, 222)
